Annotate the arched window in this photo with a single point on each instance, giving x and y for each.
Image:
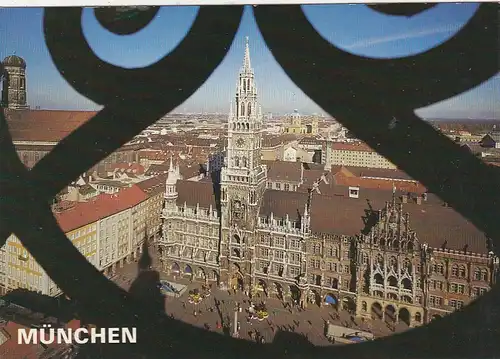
(406, 283)
(365, 258)
(462, 272)
(244, 162)
(242, 109)
(247, 126)
(392, 281)
(236, 162)
(440, 268)
(252, 197)
(477, 274)
(238, 126)
(393, 263)
(410, 245)
(407, 265)
(380, 260)
(418, 317)
(454, 270)
(484, 275)
(249, 109)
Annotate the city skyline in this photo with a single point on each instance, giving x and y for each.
(355, 28)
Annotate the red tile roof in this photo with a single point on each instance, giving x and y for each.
(153, 185)
(155, 170)
(153, 155)
(104, 205)
(44, 125)
(341, 178)
(132, 168)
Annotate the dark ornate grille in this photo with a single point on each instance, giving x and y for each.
(384, 91)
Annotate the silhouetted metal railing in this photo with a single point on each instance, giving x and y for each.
(366, 95)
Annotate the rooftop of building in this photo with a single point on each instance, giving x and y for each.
(336, 212)
(80, 214)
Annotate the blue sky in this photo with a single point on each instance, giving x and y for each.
(355, 28)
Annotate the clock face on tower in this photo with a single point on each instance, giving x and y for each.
(240, 142)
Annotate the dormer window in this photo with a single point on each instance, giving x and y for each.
(353, 192)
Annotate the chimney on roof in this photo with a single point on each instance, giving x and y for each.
(466, 247)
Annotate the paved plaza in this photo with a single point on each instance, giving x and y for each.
(309, 322)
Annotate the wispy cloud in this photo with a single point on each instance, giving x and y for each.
(404, 36)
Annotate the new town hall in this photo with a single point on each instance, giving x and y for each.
(373, 251)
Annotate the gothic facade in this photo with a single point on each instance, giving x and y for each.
(409, 259)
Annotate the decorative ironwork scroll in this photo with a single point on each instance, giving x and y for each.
(373, 98)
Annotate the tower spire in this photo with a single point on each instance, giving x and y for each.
(247, 66)
(171, 167)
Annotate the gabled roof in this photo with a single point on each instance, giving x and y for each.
(495, 136)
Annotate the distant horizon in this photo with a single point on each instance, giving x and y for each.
(373, 35)
(325, 115)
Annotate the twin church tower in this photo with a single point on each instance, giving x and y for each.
(13, 78)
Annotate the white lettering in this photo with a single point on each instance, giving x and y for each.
(48, 335)
(129, 336)
(114, 335)
(64, 336)
(25, 336)
(77, 338)
(94, 335)
(43, 339)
